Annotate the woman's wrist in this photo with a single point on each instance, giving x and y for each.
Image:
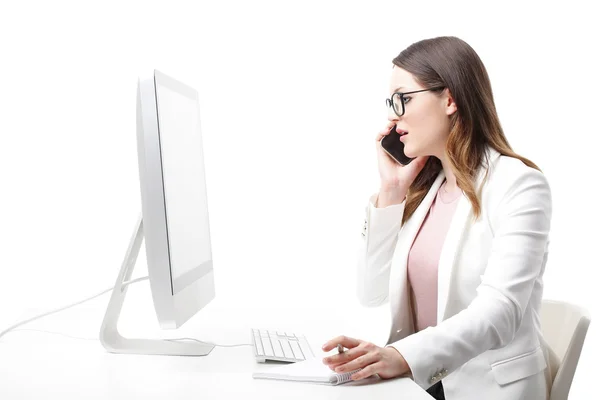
(388, 198)
(404, 367)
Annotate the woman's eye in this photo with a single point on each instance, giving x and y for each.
(406, 99)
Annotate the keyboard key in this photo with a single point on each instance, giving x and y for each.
(306, 350)
(267, 346)
(277, 347)
(297, 351)
(287, 350)
(259, 347)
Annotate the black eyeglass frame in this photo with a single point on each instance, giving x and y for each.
(390, 102)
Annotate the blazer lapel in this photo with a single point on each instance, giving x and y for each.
(448, 253)
(402, 323)
(458, 226)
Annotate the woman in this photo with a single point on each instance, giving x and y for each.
(457, 240)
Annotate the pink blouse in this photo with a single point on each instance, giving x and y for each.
(424, 256)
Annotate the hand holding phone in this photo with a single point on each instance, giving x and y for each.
(394, 147)
(397, 171)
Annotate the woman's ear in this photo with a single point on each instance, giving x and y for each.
(449, 103)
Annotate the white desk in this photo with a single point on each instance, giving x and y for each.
(39, 365)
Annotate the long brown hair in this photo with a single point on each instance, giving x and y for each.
(452, 63)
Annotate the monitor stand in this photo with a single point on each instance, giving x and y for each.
(110, 337)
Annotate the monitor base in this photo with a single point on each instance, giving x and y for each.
(110, 337)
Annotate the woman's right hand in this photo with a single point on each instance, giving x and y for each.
(395, 177)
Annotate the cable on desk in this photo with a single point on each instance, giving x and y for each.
(12, 328)
(214, 344)
(54, 333)
(96, 339)
(4, 332)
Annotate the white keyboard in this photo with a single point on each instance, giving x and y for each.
(280, 346)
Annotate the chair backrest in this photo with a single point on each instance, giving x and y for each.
(564, 327)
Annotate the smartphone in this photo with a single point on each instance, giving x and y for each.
(394, 147)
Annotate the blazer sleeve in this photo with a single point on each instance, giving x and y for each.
(379, 237)
(522, 226)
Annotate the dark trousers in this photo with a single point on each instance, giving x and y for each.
(437, 391)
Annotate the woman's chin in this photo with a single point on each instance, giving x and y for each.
(410, 153)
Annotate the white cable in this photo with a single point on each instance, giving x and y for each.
(4, 332)
(214, 344)
(95, 339)
(12, 328)
(54, 333)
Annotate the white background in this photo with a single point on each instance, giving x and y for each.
(292, 96)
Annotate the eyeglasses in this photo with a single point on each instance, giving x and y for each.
(397, 101)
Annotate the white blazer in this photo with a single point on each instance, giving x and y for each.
(488, 342)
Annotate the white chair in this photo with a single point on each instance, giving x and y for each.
(564, 327)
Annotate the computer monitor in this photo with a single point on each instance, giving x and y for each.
(174, 220)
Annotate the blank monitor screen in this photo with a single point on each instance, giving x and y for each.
(184, 185)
